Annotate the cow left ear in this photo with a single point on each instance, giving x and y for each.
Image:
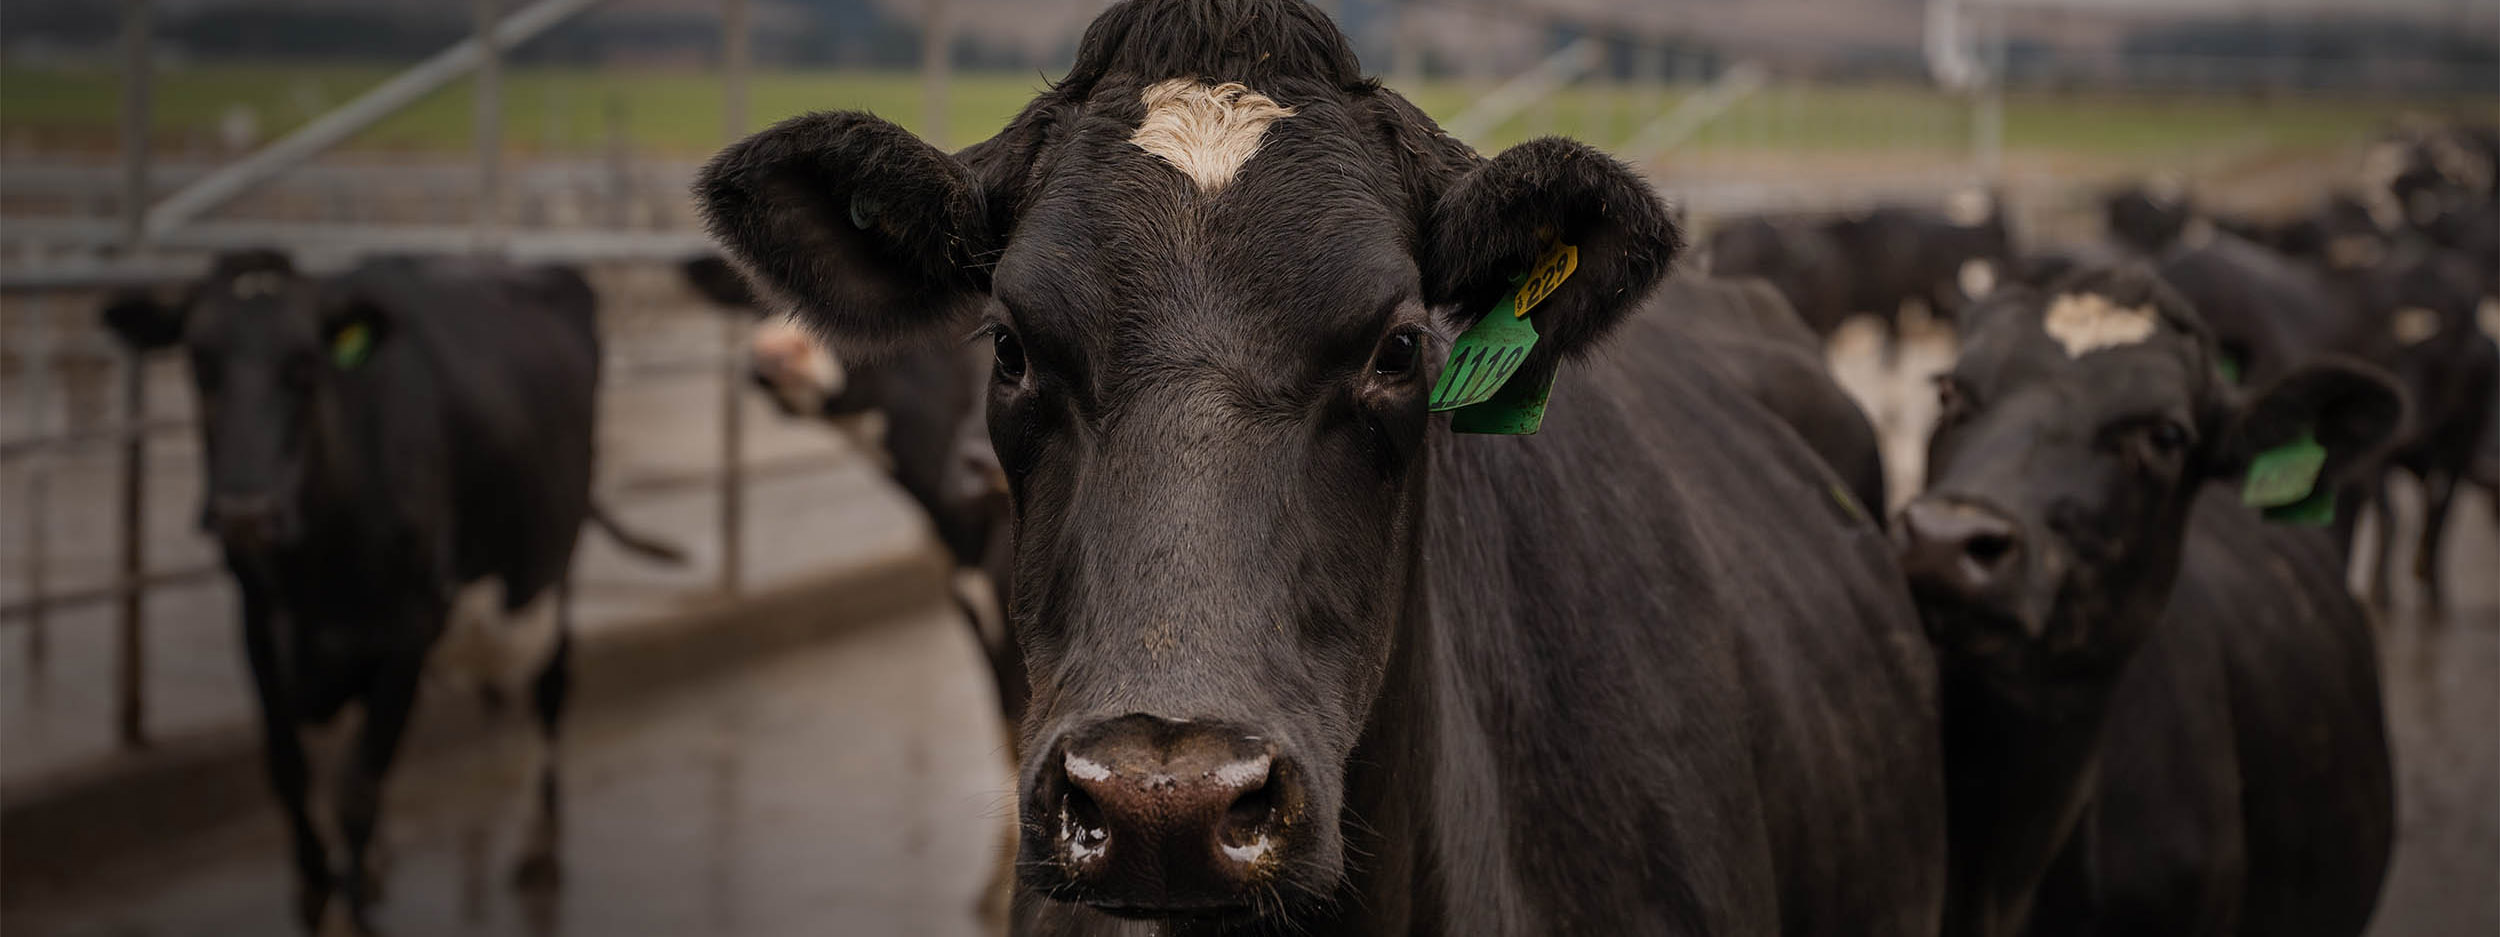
(1494, 224)
(2295, 441)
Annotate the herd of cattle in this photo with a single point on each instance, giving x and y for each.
(1283, 650)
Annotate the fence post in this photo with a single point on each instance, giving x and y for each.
(937, 66)
(136, 73)
(735, 61)
(489, 210)
(37, 375)
(132, 708)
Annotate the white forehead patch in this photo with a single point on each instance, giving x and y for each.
(2487, 317)
(1978, 278)
(1969, 207)
(2414, 325)
(1208, 133)
(2089, 322)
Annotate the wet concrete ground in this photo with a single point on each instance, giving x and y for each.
(861, 788)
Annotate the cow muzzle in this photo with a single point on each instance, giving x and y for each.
(1141, 816)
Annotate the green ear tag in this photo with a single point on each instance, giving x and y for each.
(1484, 358)
(2286, 475)
(2317, 510)
(351, 345)
(2230, 368)
(1477, 382)
(1517, 410)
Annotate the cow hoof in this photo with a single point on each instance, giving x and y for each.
(538, 873)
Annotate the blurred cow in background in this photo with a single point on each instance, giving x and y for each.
(936, 443)
(1874, 262)
(392, 453)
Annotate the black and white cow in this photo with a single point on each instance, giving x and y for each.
(2161, 713)
(1304, 659)
(390, 453)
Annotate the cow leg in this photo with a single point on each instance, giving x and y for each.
(282, 747)
(390, 700)
(2439, 492)
(2385, 508)
(540, 867)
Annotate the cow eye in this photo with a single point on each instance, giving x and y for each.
(1010, 354)
(2166, 437)
(1397, 353)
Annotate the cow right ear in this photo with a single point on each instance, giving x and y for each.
(859, 226)
(144, 322)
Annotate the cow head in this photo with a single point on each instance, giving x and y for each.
(265, 345)
(1220, 271)
(2074, 434)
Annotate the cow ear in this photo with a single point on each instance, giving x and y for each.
(2292, 443)
(716, 280)
(144, 322)
(865, 230)
(1492, 226)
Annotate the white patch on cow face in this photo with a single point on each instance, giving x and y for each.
(1208, 133)
(2166, 190)
(1969, 207)
(2487, 317)
(2414, 325)
(801, 371)
(1978, 278)
(2088, 322)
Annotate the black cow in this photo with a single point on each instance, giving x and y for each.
(1759, 345)
(1869, 263)
(1302, 658)
(936, 439)
(391, 452)
(2161, 714)
(1799, 257)
(1899, 254)
(2419, 307)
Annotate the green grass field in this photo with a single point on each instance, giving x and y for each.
(677, 112)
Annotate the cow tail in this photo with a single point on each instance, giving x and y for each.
(642, 544)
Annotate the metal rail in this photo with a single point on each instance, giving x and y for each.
(336, 126)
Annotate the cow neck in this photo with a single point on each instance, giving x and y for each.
(1429, 846)
(2016, 789)
(340, 472)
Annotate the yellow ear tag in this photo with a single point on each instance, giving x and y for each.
(1477, 382)
(351, 345)
(1558, 264)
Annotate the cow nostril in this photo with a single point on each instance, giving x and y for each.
(1082, 831)
(1248, 824)
(1988, 549)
